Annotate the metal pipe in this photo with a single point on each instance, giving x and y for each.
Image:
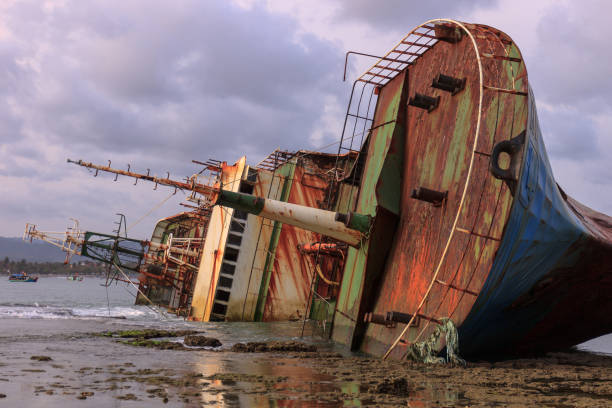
(322, 247)
(162, 247)
(375, 318)
(312, 219)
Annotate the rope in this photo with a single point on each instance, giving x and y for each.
(320, 273)
(127, 278)
(492, 52)
(147, 306)
(426, 351)
(150, 211)
(465, 187)
(107, 301)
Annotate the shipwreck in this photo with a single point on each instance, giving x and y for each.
(439, 206)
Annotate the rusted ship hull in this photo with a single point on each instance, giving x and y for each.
(469, 224)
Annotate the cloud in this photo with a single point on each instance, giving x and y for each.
(564, 45)
(399, 14)
(569, 133)
(158, 84)
(135, 80)
(151, 85)
(574, 58)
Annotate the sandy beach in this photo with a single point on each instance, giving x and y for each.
(66, 363)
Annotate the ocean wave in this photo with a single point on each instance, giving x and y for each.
(18, 304)
(54, 312)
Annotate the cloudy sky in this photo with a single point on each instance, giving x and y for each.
(159, 83)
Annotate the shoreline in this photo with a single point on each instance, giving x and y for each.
(84, 365)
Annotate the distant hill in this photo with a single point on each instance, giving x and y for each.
(16, 249)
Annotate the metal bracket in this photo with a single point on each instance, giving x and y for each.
(429, 103)
(448, 33)
(448, 83)
(513, 148)
(431, 196)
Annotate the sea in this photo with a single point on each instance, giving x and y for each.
(57, 298)
(56, 317)
(62, 320)
(60, 303)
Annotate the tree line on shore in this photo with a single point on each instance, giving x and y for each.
(8, 267)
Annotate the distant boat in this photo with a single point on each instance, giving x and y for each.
(75, 277)
(22, 277)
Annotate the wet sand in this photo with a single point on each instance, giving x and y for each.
(75, 367)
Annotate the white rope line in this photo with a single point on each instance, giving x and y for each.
(426, 325)
(127, 278)
(150, 211)
(467, 183)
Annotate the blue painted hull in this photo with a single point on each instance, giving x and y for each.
(551, 281)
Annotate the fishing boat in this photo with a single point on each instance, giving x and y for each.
(75, 278)
(22, 277)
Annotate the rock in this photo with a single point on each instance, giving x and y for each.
(240, 348)
(169, 345)
(127, 397)
(41, 358)
(273, 346)
(202, 341)
(149, 333)
(157, 344)
(393, 386)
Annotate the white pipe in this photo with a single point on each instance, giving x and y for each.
(312, 219)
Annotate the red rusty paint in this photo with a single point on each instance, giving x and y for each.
(435, 142)
(182, 225)
(327, 248)
(293, 271)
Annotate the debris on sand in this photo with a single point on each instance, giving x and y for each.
(41, 358)
(392, 386)
(84, 395)
(127, 397)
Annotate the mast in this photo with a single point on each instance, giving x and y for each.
(350, 228)
(126, 253)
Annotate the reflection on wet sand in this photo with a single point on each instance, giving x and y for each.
(43, 364)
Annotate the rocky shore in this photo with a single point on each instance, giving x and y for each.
(116, 368)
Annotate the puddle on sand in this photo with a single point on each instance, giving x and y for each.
(278, 381)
